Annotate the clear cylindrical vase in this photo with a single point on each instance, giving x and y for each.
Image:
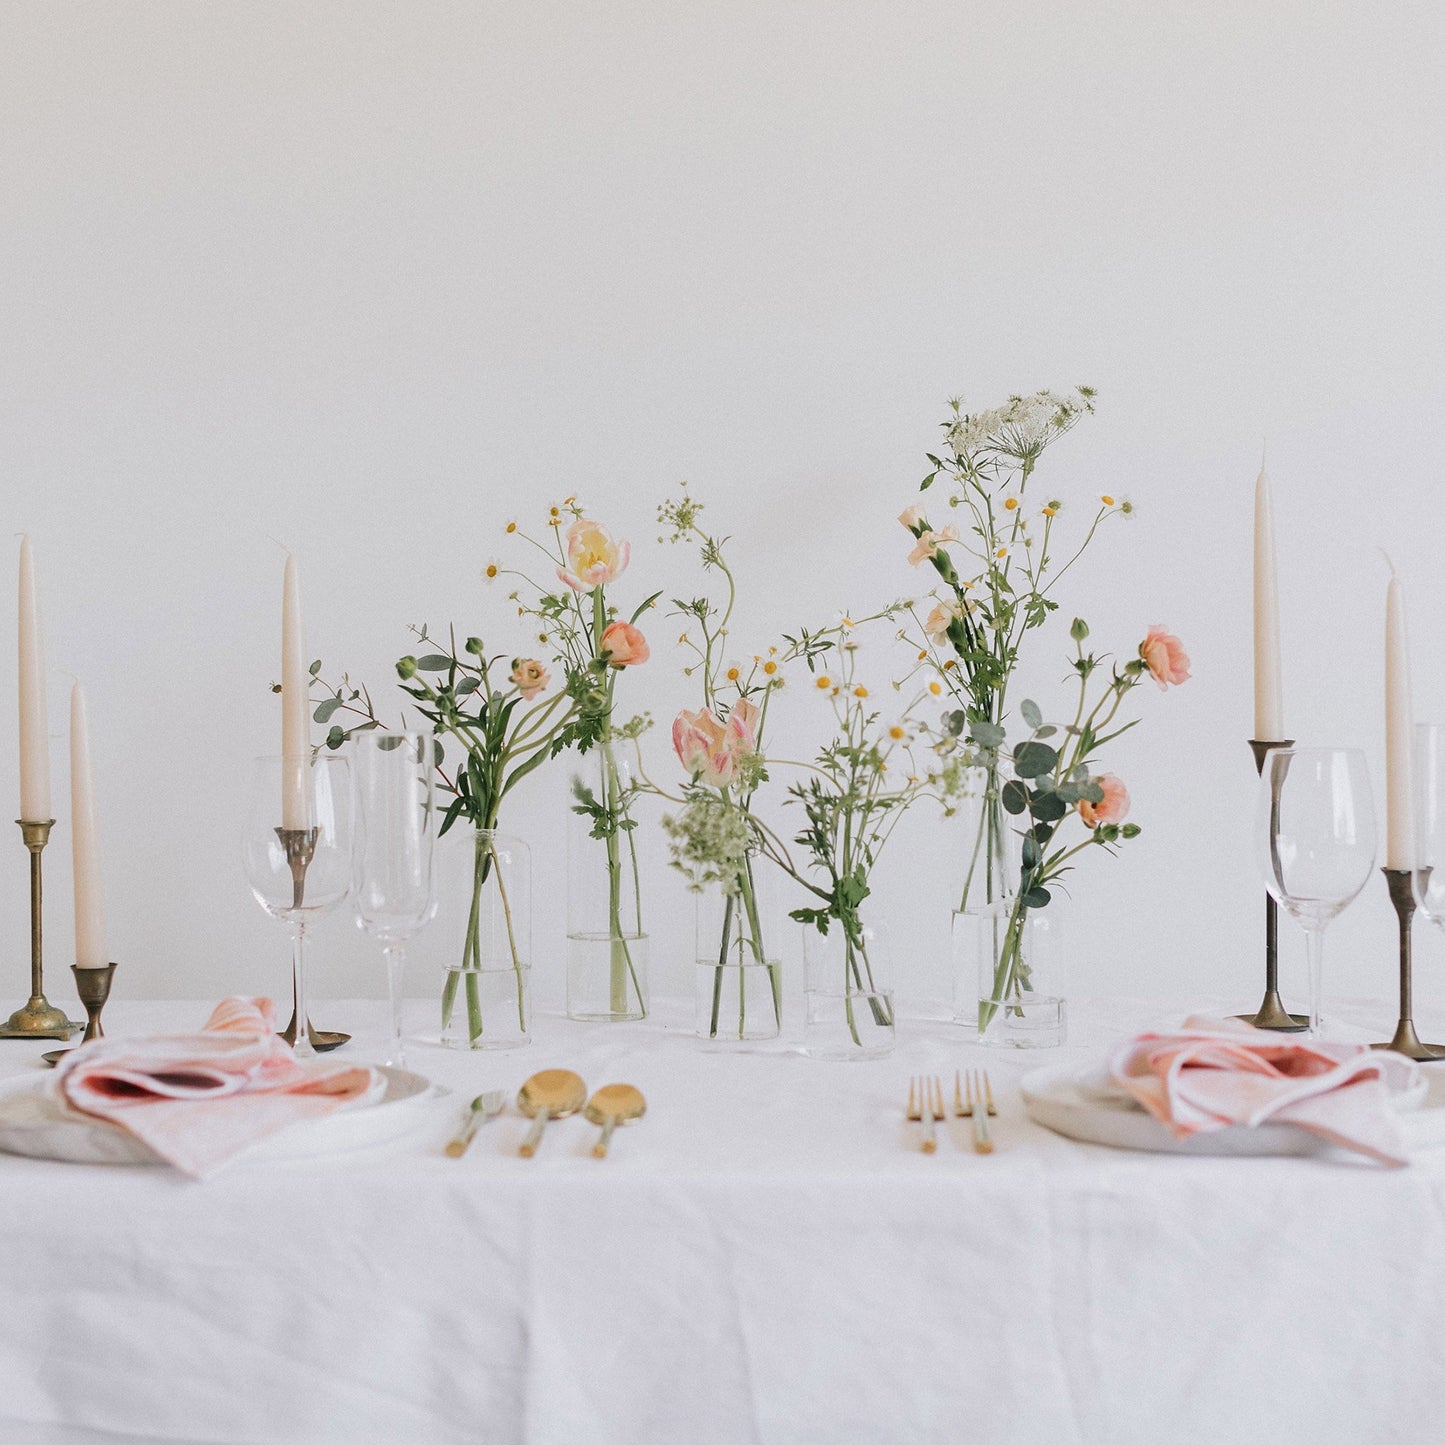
(1007, 985)
(484, 919)
(738, 969)
(849, 995)
(606, 944)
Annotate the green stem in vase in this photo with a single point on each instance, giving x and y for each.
(722, 958)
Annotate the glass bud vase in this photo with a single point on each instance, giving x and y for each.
(1007, 987)
(738, 968)
(484, 923)
(849, 997)
(606, 945)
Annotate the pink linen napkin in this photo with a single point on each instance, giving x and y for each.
(198, 1100)
(1221, 1072)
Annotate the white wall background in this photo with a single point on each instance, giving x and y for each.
(371, 278)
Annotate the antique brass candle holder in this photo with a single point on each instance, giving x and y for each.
(1272, 1014)
(38, 1019)
(1406, 1041)
(299, 846)
(93, 986)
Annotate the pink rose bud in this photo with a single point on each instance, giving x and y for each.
(623, 645)
(1115, 805)
(1165, 657)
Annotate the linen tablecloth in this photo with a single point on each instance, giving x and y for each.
(766, 1258)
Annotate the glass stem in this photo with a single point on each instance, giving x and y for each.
(301, 1049)
(395, 956)
(1315, 952)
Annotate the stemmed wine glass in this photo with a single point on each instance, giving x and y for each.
(1429, 872)
(395, 881)
(1315, 830)
(297, 852)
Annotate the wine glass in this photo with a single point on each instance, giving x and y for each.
(297, 853)
(395, 880)
(1315, 831)
(1429, 872)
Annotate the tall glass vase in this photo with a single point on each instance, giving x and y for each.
(606, 944)
(484, 919)
(738, 969)
(1015, 996)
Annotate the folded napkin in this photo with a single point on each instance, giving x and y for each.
(198, 1100)
(1216, 1073)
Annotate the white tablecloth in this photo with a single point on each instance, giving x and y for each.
(764, 1259)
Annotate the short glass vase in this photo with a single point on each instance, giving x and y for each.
(484, 919)
(1007, 962)
(849, 1000)
(738, 972)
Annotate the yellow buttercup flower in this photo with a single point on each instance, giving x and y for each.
(897, 733)
(860, 691)
(491, 571)
(769, 667)
(733, 673)
(1011, 505)
(824, 682)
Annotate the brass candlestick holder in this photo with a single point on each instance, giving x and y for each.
(93, 986)
(38, 1019)
(1401, 883)
(299, 845)
(1272, 1014)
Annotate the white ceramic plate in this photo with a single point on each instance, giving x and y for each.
(36, 1121)
(1058, 1098)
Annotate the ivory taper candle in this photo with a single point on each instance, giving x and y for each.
(34, 726)
(1398, 732)
(90, 949)
(295, 709)
(1268, 703)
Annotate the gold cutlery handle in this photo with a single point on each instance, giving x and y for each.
(534, 1136)
(599, 1149)
(465, 1135)
(930, 1132)
(982, 1142)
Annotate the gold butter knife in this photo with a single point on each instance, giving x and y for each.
(484, 1106)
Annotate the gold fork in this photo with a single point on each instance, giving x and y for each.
(978, 1106)
(925, 1105)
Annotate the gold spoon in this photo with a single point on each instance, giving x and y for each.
(552, 1094)
(611, 1105)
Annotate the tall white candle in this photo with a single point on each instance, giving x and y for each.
(1398, 732)
(34, 726)
(90, 949)
(1268, 703)
(295, 709)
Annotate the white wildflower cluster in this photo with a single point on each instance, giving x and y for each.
(710, 841)
(1021, 427)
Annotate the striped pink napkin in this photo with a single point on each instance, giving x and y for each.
(198, 1100)
(1217, 1072)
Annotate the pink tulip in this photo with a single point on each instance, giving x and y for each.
(1113, 809)
(529, 676)
(623, 645)
(1165, 657)
(711, 751)
(593, 558)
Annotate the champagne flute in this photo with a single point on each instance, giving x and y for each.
(395, 879)
(297, 873)
(1315, 832)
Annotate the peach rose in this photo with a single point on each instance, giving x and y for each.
(1113, 809)
(1165, 657)
(530, 676)
(623, 645)
(911, 516)
(930, 542)
(593, 558)
(711, 750)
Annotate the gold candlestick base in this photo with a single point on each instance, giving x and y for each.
(93, 986)
(38, 1018)
(1406, 1041)
(1272, 1014)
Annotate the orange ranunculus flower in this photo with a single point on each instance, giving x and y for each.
(623, 645)
(1165, 657)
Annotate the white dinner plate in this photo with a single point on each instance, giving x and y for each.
(35, 1120)
(1059, 1098)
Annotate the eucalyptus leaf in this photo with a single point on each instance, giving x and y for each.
(325, 709)
(1029, 710)
(434, 662)
(1037, 898)
(1033, 760)
(1014, 797)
